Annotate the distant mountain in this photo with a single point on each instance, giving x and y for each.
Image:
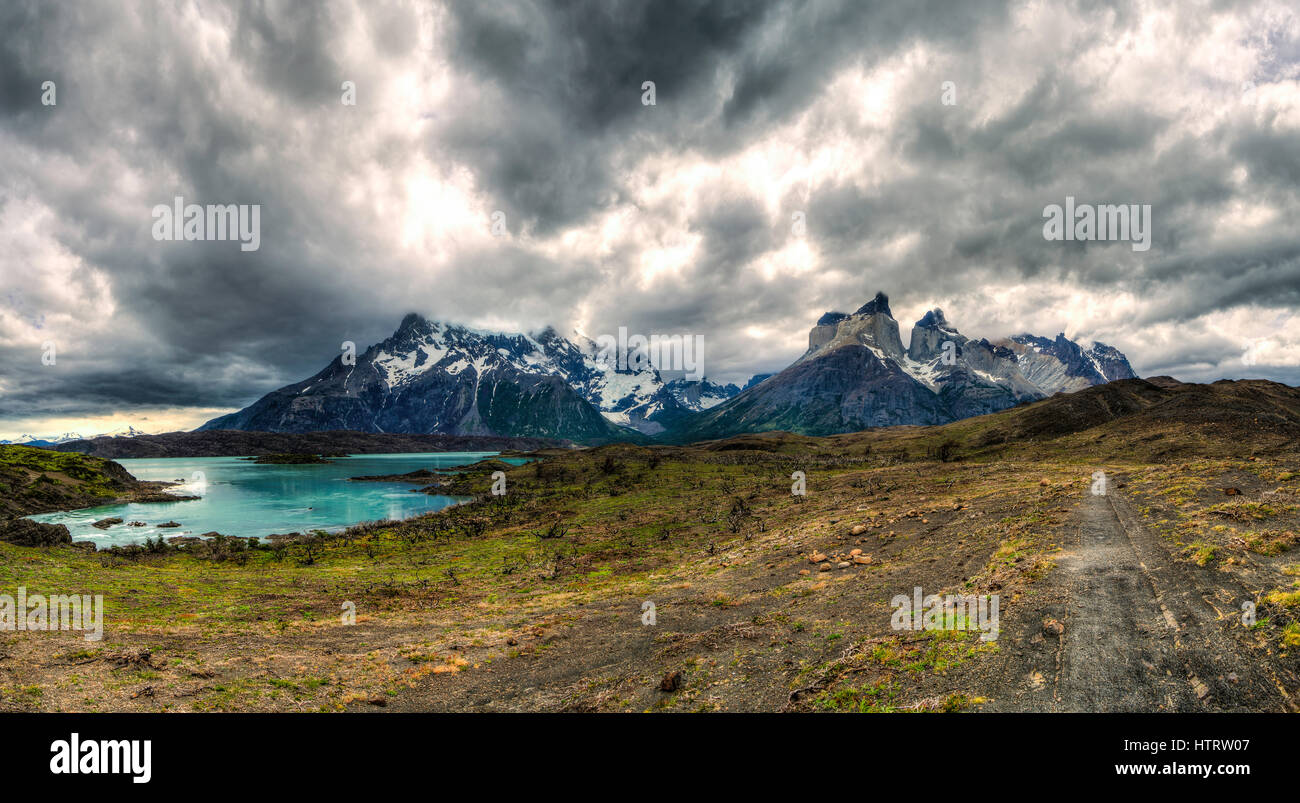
(857, 374)
(26, 440)
(129, 432)
(1062, 365)
(435, 377)
(642, 398)
(42, 442)
(67, 437)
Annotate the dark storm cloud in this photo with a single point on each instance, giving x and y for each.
(534, 109)
(560, 104)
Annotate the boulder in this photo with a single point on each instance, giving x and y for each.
(671, 682)
(26, 532)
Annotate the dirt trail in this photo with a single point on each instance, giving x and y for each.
(1142, 631)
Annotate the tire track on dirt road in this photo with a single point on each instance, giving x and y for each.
(1142, 630)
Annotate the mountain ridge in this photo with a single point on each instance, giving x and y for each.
(857, 374)
(438, 377)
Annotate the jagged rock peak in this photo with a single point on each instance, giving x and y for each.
(831, 318)
(934, 319)
(409, 322)
(878, 304)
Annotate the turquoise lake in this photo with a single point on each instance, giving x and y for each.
(239, 497)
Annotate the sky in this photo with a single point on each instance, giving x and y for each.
(797, 158)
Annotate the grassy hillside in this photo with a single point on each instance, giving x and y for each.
(38, 480)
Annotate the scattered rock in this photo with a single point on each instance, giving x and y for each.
(1232, 492)
(825, 567)
(170, 524)
(671, 682)
(104, 524)
(853, 552)
(858, 529)
(135, 524)
(844, 564)
(1053, 627)
(378, 700)
(804, 572)
(862, 560)
(816, 557)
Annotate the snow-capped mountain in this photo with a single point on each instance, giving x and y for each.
(641, 397)
(857, 374)
(26, 440)
(129, 432)
(435, 377)
(43, 441)
(23, 440)
(52, 440)
(438, 377)
(1062, 365)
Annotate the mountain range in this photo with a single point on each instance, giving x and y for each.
(53, 440)
(857, 374)
(437, 377)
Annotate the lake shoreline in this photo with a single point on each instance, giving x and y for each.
(246, 499)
